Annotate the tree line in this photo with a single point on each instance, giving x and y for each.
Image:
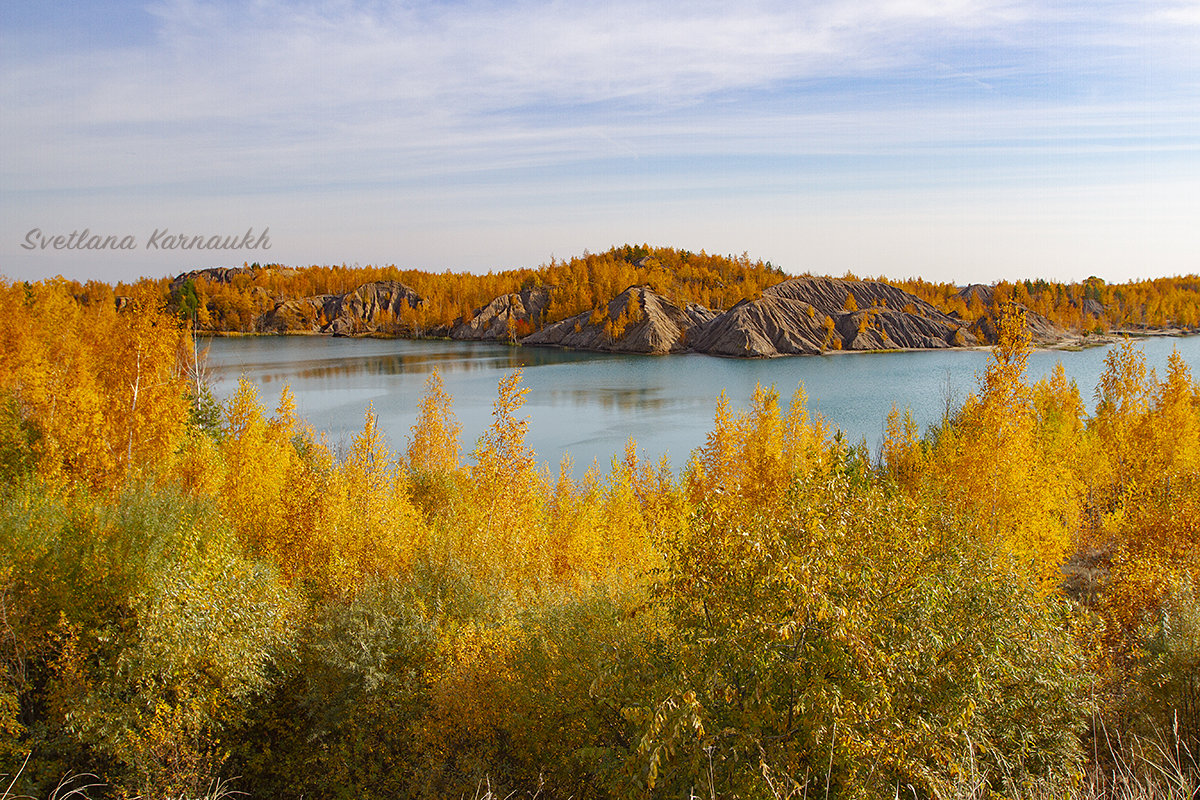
(587, 283)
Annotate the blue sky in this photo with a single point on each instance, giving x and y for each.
(959, 140)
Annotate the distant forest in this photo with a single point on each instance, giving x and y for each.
(236, 300)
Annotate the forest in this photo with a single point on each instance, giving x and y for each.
(239, 299)
(581, 284)
(202, 599)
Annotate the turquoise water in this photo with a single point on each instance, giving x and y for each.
(589, 404)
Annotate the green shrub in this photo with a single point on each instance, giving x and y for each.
(855, 643)
(1171, 673)
(138, 634)
(18, 439)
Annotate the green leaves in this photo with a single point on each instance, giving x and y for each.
(790, 617)
(144, 627)
(855, 607)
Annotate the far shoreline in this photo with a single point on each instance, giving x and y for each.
(1073, 343)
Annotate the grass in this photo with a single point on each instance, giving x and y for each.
(79, 785)
(1141, 769)
(70, 786)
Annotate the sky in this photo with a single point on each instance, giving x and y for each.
(956, 140)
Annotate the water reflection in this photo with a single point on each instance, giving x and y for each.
(273, 359)
(626, 400)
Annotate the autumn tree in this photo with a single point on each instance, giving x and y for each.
(433, 445)
(505, 534)
(103, 389)
(845, 638)
(751, 457)
(368, 528)
(995, 463)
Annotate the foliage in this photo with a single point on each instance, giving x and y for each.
(1171, 670)
(236, 301)
(851, 640)
(434, 448)
(185, 598)
(98, 392)
(136, 632)
(1086, 307)
(1005, 462)
(587, 283)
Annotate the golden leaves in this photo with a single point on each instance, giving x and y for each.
(434, 446)
(103, 388)
(750, 459)
(995, 462)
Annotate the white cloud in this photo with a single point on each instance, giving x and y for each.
(1174, 13)
(469, 103)
(212, 61)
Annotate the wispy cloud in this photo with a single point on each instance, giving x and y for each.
(265, 98)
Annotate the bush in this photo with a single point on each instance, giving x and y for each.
(137, 635)
(855, 642)
(1171, 672)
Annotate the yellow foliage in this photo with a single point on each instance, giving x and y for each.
(259, 461)
(143, 377)
(504, 531)
(902, 448)
(368, 527)
(199, 467)
(1020, 470)
(1144, 483)
(604, 532)
(329, 525)
(750, 459)
(574, 550)
(103, 388)
(467, 708)
(998, 464)
(433, 446)
(639, 505)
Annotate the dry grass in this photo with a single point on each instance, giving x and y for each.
(78, 786)
(71, 786)
(1141, 769)
(1163, 768)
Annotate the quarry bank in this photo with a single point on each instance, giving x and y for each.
(801, 316)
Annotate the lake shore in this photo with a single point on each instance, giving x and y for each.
(1073, 342)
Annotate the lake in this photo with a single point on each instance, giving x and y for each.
(589, 404)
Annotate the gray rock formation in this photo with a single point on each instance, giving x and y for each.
(769, 326)
(503, 318)
(829, 295)
(984, 293)
(635, 321)
(1041, 330)
(374, 306)
(308, 314)
(802, 316)
(371, 308)
(227, 274)
(810, 315)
